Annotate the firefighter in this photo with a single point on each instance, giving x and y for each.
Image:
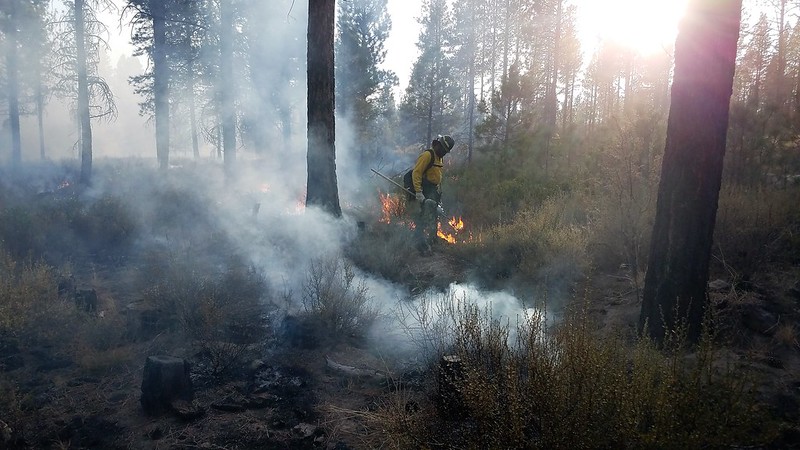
(427, 179)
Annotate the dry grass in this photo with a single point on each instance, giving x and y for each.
(756, 226)
(568, 387)
(786, 336)
(543, 242)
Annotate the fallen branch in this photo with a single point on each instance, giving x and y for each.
(354, 371)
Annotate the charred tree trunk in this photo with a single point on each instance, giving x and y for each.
(84, 118)
(12, 69)
(228, 96)
(160, 81)
(705, 55)
(321, 187)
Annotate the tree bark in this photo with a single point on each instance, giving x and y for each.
(40, 113)
(228, 96)
(160, 82)
(193, 124)
(12, 69)
(321, 186)
(84, 117)
(675, 284)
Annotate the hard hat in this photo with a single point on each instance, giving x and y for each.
(447, 142)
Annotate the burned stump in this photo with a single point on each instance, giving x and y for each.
(451, 378)
(165, 379)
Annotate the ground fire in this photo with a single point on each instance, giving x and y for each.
(393, 208)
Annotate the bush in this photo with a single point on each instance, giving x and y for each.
(494, 190)
(567, 387)
(388, 250)
(221, 311)
(755, 226)
(338, 302)
(31, 308)
(543, 243)
(57, 227)
(108, 227)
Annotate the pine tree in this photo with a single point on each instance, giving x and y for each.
(80, 38)
(363, 28)
(677, 273)
(321, 186)
(430, 102)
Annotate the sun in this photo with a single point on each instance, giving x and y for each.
(645, 26)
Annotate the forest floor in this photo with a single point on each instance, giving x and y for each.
(293, 397)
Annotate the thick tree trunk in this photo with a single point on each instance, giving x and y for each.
(160, 82)
(84, 117)
(321, 186)
(228, 96)
(12, 68)
(677, 273)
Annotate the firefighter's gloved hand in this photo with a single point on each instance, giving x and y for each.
(420, 197)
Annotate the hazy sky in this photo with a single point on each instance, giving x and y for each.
(646, 24)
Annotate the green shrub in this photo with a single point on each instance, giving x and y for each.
(493, 191)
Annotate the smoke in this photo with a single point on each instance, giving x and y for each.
(417, 329)
(261, 209)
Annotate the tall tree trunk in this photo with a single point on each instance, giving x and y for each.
(193, 121)
(705, 55)
(780, 71)
(228, 96)
(429, 132)
(84, 118)
(160, 81)
(471, 84)
(40, 112)
(551, 107)
(12, 69)
(321, 187)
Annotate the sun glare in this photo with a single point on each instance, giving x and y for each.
(645, 26)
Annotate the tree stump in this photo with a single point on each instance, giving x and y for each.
(451, 376)
(165, 379)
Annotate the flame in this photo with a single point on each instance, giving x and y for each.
(458, 226)
(64, 184)
(391, 207)
(451, 239)
(456, 223)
